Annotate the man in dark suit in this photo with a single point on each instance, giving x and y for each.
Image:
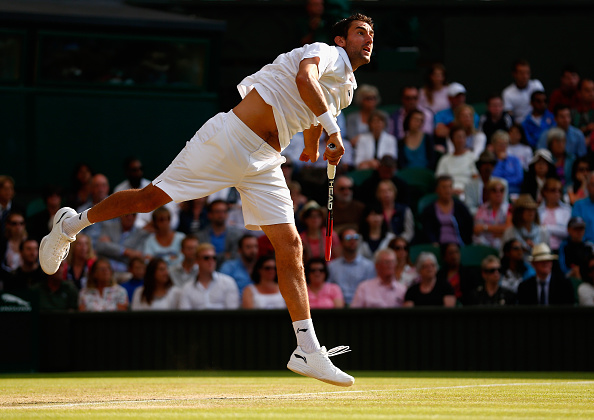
(548, 287)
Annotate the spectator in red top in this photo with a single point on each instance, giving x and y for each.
(566, 93)
(322, 295)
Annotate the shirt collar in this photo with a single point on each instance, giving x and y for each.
(342, 53)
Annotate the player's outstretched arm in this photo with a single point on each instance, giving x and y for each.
(312, 95)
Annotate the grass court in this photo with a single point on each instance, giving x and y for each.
(284, 395)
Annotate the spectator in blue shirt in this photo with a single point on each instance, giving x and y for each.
(539, 120)
(241, 268)
(584, 208)
(575, 141)
(351, 268)
(508, 166)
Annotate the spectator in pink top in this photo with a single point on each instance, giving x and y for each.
(383, 291)
(322, 295)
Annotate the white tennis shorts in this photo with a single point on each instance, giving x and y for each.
(226, 153)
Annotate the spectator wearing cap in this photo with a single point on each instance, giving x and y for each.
(383, 291)
(387, 169)
(508, 166)
(474, 192)
(541, 167)
(516, 97)
(351, 268)
(573, 251)
(539, 120)
(574, 138)
(554, 213)
(584, 208)
(444, 119)
(526, 226)
(548, 286)
(376, 144)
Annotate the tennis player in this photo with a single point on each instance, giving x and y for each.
(302, 90)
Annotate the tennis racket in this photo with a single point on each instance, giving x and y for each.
(330, 220)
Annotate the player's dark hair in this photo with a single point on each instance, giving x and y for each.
(341, 28)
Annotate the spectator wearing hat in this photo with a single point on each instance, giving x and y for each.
(516, 97)
(575, 141)
(584, 208)
(526, 226)
(475, 193)
(541, 167)
(539, 120)
(313, 236)
(554, 213)
(573, 251)
(548, 286)
(376, 144)
(508, 166)
(444, 119)
(493, 217)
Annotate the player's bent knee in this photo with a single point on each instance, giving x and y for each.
(151, 198)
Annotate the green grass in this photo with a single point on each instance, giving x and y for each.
(283, 395)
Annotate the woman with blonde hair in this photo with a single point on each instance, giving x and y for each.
(102, 292)
(367, 98)
(493, 217)
(80, 260)
(476, 141)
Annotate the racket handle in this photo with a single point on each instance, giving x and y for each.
(328, 245)
(331, 171)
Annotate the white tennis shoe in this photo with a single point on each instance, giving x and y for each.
(54, 247)
(317, 365)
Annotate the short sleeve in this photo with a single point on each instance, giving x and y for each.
(321, 50)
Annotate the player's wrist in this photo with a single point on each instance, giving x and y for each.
(329, 123)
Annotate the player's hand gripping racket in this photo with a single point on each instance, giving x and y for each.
(330, 219)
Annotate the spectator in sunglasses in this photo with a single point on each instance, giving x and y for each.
(322, 295)
(264, 293)
(211, 289)
(404, 272)
(490, 292)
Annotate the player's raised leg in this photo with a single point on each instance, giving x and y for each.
(67, 223)
(308, 359)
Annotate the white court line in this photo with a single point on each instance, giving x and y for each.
(281, 396)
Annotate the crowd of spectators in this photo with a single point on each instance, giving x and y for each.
(516, 181)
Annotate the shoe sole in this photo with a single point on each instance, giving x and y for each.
(328, 381)
(41, 247)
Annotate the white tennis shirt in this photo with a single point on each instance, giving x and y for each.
(276, 85)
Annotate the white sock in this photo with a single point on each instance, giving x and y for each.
(306, 335)
(72, 225)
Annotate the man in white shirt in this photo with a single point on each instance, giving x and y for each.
(186, 270)
(516, 97)
(302, 90)
(211, 289)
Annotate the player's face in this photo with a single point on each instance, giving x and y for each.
(358, 44)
